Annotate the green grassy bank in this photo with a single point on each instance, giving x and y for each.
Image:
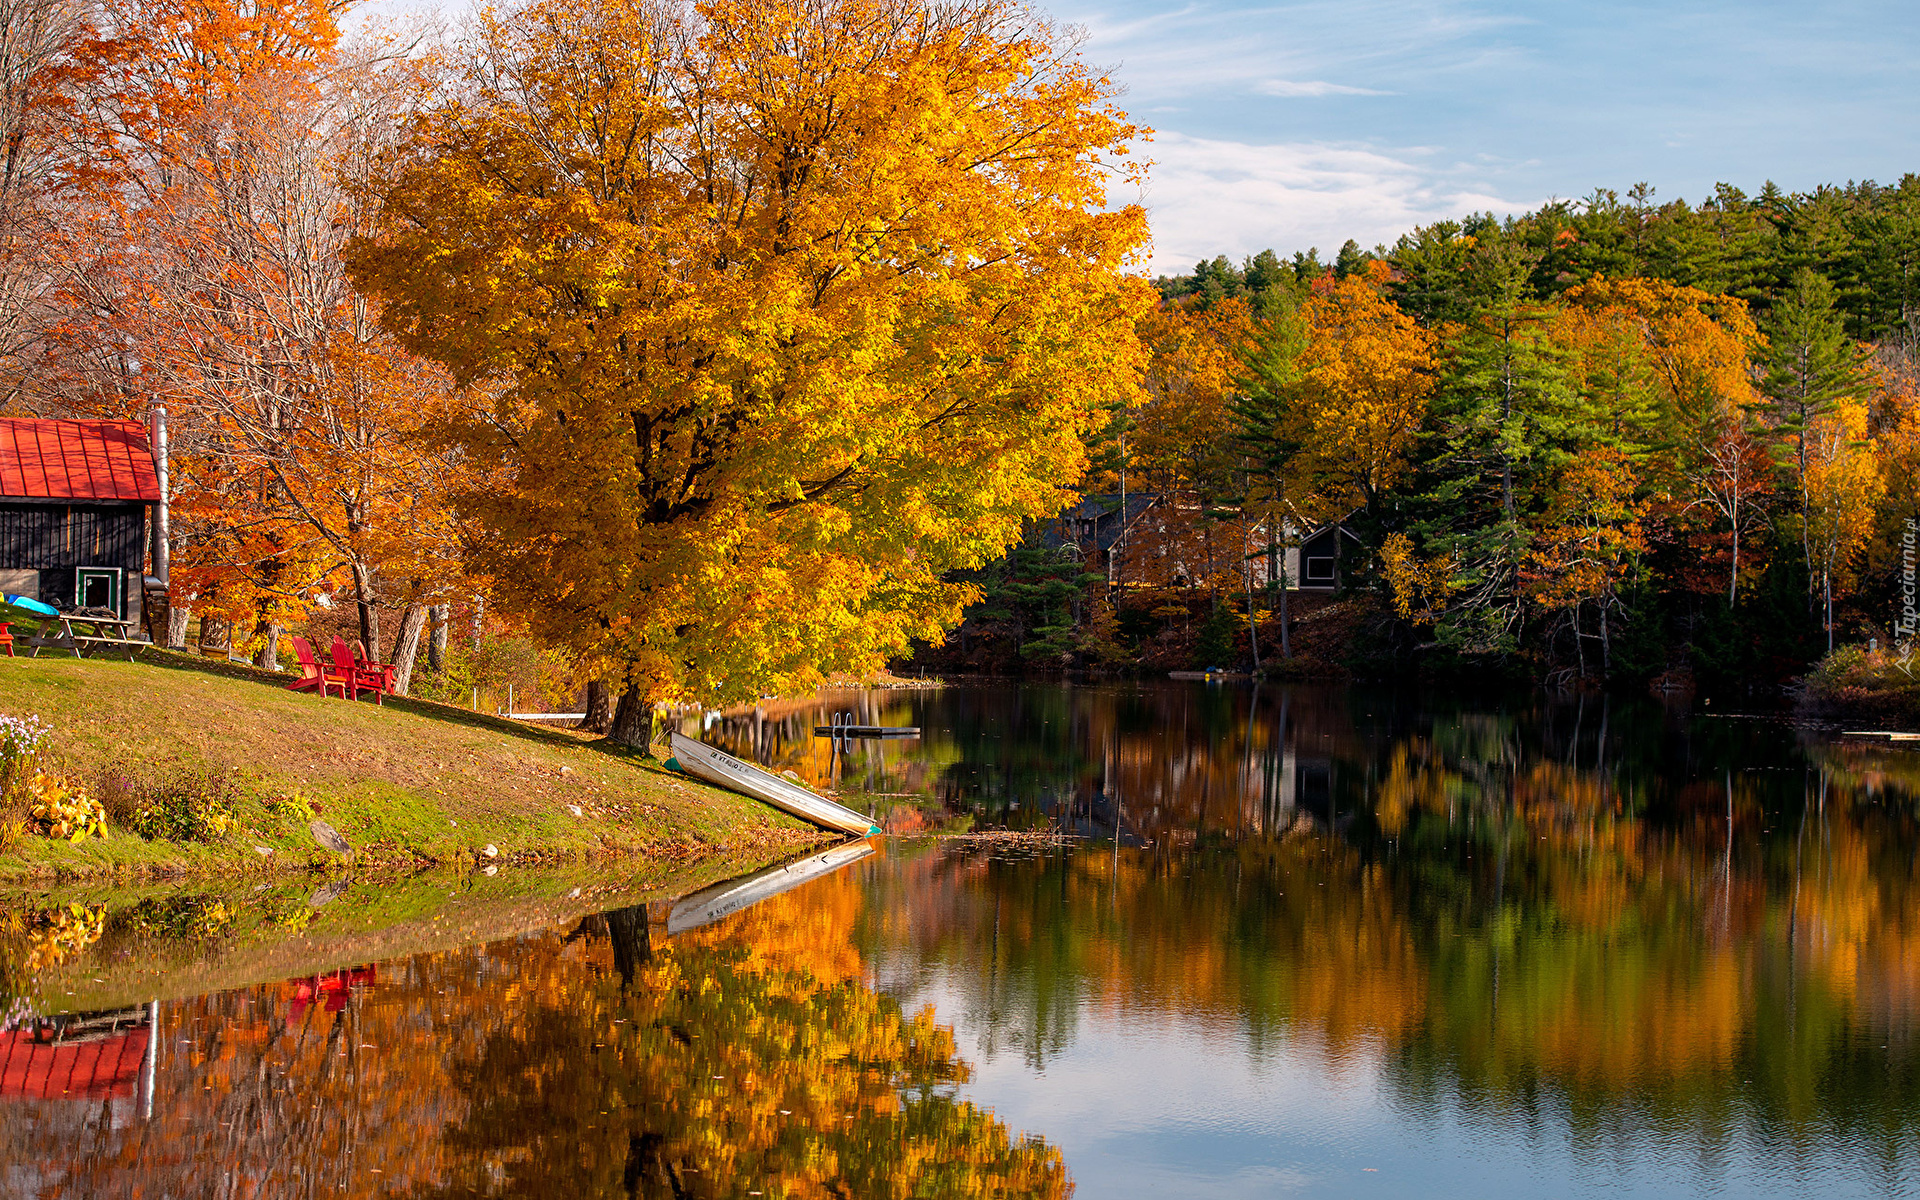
(409, 784)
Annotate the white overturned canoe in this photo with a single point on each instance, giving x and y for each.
(718, 767)
(709, 904)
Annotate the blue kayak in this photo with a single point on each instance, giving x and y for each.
(29, 605)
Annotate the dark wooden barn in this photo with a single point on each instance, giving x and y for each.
(73, 512)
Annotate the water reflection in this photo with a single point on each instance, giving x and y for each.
(747, 1057)
(1348, 944)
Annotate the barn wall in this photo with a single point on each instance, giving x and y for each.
(54, 539)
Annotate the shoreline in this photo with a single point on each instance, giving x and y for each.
(222, 749)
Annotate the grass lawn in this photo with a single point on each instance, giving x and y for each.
(406, 783)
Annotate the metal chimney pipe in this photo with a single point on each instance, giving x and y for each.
(161, 529)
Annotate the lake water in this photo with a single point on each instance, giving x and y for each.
(1313, 943)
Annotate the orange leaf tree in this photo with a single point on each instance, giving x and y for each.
(212, 281)
(796, 305)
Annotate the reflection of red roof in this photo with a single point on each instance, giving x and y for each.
(76, 460)
(91, 1069)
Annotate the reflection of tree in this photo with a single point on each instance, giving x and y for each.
(745, 1057)
(1697, 948)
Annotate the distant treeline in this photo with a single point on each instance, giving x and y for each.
(1611, 439)
(1864, 238)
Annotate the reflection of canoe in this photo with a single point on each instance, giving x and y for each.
(723, 899)
(717, 766)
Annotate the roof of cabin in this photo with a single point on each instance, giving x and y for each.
(76, 460)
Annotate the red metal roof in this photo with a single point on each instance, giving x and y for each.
(76, 460)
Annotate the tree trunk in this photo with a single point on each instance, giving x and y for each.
(368, 604)
(215, 633)
(599, 718)
(476, 620)
(1579, 646)
(1733, 576)
(1246, 574)
(1606, 645)
(269, 656)
(1286, 634)
(632, 719)
(406, 647)
(437, 616)
(179, 616)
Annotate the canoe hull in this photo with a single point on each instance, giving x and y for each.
(718, 767)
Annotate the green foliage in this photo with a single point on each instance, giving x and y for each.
(194, 805)
(542, 678)
(1216, 645)
(1257, 278)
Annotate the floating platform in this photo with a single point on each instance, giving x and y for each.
(867, 731)
(1891, 735)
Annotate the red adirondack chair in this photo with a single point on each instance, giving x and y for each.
(6, 637)
(314, 675)
(362, 678)
(376, 674)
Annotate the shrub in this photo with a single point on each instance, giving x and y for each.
(60, 809)
(1860, 667)
(191, 806)
(22, 741)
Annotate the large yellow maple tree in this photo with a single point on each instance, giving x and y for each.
(796, 305)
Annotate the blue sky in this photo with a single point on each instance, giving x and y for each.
(1298, 125)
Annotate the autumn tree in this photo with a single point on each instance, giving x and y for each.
(1185, 449)
(1366, 375)
(796, 306)
(1587, 546)
(1842, 485)
(49, 71)
(212, 282)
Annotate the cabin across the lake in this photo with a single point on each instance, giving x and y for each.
(74, 500)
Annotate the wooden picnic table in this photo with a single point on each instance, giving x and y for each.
(76, 632)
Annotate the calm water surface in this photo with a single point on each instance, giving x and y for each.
(1329, 943)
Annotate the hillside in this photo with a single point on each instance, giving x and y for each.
(407, 784)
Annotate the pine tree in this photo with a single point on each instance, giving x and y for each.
(1812, 366)
(1269, 435)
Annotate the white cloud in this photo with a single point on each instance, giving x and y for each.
(1312, 87)
(1206, 197)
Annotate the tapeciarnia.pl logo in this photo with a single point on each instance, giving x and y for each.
(1907, 621)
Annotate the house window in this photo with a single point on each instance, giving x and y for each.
(1319, 570)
